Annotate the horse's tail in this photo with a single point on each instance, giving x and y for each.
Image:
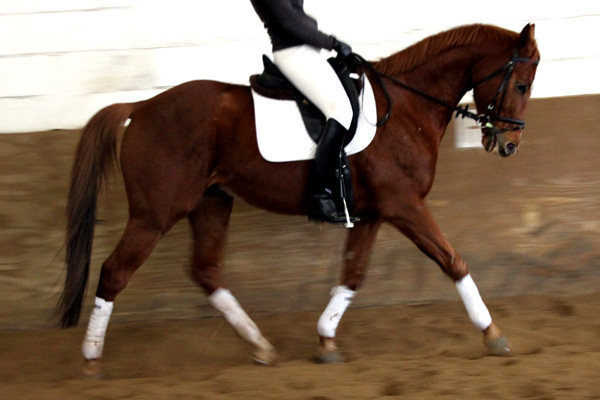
(96, 152)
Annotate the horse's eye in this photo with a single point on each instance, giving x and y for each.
(522, 88)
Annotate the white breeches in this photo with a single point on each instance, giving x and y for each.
(310, 73)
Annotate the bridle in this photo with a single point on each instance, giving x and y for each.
(486, 119)
(483, 120)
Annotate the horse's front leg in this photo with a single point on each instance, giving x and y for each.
(356, 257)
(417, 223)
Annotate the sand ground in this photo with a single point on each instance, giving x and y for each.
(528, 226)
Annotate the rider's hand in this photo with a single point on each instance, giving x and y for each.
(342, 48)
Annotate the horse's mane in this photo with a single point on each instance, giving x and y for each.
(431, 46)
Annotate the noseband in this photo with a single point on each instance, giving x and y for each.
(483, 120)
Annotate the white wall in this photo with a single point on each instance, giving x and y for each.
(62, 60)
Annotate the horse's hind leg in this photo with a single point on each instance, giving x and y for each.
(209, 225)
(136, 244)
(356, 258)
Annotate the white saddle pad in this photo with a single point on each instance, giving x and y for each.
(282, 136)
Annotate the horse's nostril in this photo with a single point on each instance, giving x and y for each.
(510, 148)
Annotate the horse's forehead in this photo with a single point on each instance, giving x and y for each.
(531, 65)
(535, 55)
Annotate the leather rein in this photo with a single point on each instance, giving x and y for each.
(483, 120)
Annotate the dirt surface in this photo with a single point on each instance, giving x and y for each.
(408, 352)
(528, 226)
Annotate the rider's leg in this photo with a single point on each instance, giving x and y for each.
(312, 75)
(315, 78)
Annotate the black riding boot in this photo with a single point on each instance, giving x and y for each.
(328, 199)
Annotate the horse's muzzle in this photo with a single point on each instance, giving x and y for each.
(493, 137)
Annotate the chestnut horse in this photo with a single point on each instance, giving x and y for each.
(188, 151)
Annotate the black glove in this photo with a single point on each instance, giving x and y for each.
(342, 48)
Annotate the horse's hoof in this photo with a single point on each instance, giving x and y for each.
(92, 369)
(264, 356)
(330, 357)
(498, 346)
(495, 341)
(328, 352)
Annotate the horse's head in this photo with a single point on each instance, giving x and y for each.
(502, 88)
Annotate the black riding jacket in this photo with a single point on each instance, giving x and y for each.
(288, 25)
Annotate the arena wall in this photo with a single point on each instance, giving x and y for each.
(61, 61)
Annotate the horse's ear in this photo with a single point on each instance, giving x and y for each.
(527, 36)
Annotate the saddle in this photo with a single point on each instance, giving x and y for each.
(273, 84)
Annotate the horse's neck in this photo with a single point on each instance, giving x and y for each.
(446, 76)
(422, 122)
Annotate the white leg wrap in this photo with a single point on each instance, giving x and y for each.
(341, 297)
(223, 300)
(476, 309)
(96, 331)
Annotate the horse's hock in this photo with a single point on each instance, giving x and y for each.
(528, 224)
